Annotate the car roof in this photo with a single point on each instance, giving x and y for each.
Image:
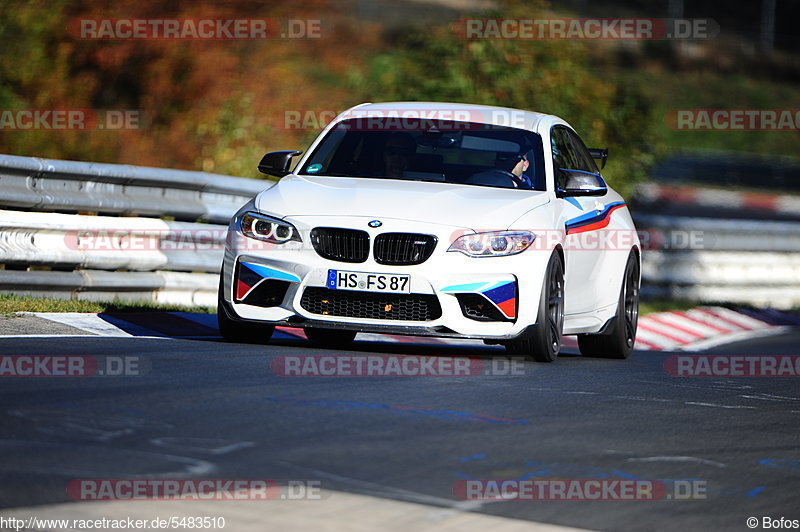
(482, 114)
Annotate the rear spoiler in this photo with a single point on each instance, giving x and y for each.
(599, 154)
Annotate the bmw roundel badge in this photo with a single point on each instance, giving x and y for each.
(375, 223)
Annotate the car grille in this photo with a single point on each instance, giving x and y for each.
(398, 249)
(354, 304)
(344, 245)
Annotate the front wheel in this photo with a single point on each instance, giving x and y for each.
(235, 331)
(544, 343)
(619, 340)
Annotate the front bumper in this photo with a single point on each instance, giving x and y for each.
(507, 289)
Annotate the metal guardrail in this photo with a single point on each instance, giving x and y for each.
(713, 234)
(101, 242)
(189, 289)
(721, 261)
(51, 185)
(177, 262)
(165, 261)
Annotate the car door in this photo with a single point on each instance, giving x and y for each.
(582, 243)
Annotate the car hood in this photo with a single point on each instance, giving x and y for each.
(467, 206)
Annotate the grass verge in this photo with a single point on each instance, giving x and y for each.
(10, 304)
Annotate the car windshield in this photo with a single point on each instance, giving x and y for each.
(415, 149)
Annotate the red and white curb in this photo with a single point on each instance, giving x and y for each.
(713, 197)
(690, 330)
(704, 327)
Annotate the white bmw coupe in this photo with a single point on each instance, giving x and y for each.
(436, 219)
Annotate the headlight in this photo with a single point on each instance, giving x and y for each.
(494, 244)
(268, 229)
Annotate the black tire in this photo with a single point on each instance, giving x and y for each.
(335, 338)
(619, 340)
(544, 342)
(241, 332)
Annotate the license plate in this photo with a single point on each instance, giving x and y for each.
(369, 282)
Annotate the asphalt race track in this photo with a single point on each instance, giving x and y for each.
(219, 410)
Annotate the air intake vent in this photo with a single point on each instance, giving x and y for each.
(354, 304)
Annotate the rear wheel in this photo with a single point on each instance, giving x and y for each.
(330, 337)
(618, 341)
(544, 342)
(236, 331)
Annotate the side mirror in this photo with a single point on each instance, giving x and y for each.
(599, 154)
(579, 183)
(277, 163)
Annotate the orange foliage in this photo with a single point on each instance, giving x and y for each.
(204, 104)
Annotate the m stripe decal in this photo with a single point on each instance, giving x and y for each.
(593, 221)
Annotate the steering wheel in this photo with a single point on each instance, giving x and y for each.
(494, 177)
